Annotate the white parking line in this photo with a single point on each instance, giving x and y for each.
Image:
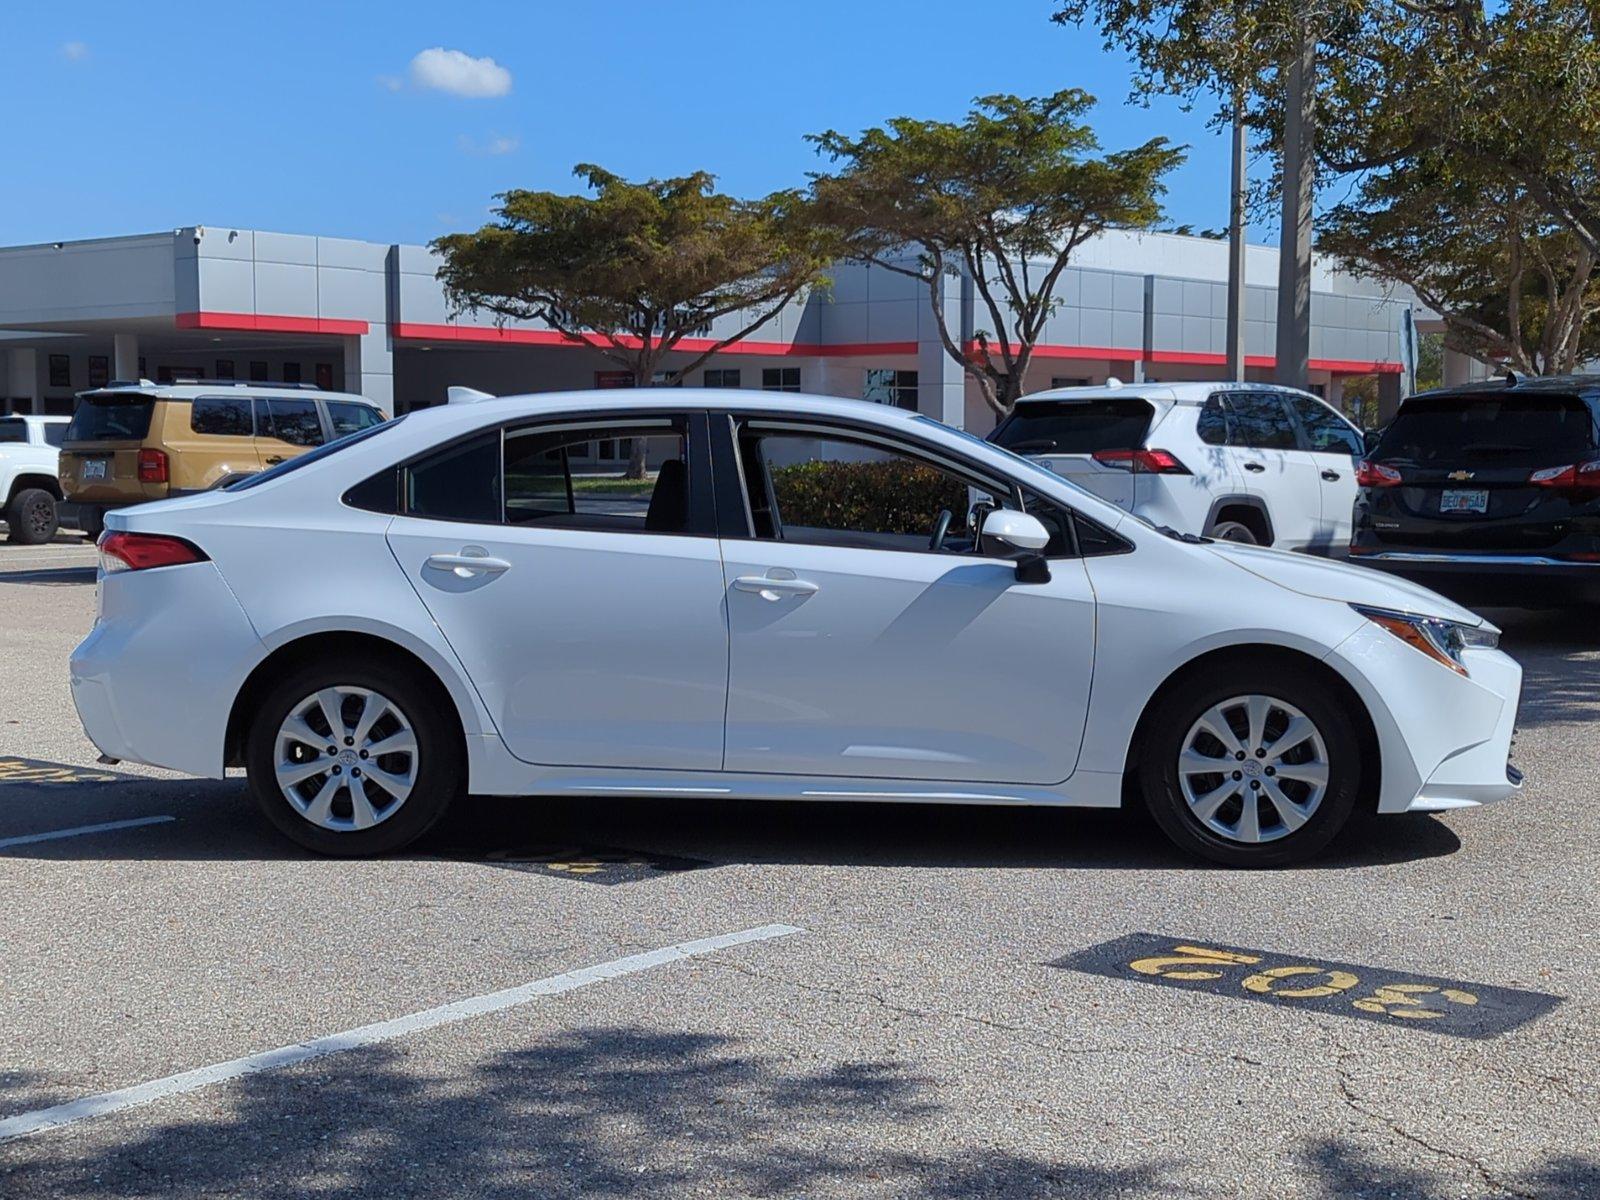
(287, 1056)
(80, 830)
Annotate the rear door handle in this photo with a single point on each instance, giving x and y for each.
(769, 588)
(274, 459)
(467, 565)
(1330, 476)
(1255, 467)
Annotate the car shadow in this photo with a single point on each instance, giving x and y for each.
(1558, 687)
(217, 821)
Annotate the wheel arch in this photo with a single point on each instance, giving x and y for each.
(1253, 508)
(25, 479)
(1211, 660)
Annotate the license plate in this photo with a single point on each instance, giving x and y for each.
(1464, 500)
(94, 468)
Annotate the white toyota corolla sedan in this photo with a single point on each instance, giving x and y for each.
(801, 598)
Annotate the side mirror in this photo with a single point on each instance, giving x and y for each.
(1022, 537)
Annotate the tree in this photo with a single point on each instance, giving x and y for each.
(1006, 195)
(1513, 287)
(636, 268)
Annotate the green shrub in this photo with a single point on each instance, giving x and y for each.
(897, 496)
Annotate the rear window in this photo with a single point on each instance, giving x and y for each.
(110, 418)
(1512, 430)
(1075, 426)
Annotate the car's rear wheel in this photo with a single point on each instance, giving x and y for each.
(32, 517)
(1234, 531)
(1256, 767)
(353, 759)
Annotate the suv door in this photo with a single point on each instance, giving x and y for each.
(1334, 445)
(1266, 446)
(286, 426)
(587, 609)
(856, 649)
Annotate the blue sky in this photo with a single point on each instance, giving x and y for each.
(321, 118)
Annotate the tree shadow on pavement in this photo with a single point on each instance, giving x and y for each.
(1342, 1171)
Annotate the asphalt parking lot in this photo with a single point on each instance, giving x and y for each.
(670, 997)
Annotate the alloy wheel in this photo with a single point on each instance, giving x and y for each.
(1253, 769)
(345, 758)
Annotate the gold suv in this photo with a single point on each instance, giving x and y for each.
(130, 443)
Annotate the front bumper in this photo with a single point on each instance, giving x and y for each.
(1486, 578)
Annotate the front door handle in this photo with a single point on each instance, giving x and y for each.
(772, 589)
(274, 459)
(1330, 476)
(1255, 467)
(465, 565)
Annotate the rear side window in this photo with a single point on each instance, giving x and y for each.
(459, 483)
(301, 461)
(1075, 426)
(346, 416)
(1510, 430)
(1326, 431)
(1259, 420)
(554, 478)
(13, 429)
(110, 418)
(55, 433)
(1212, 425)
(292, 421)
(223, 416)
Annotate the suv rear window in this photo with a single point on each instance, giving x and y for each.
(1075, 426)
(116, 416)
(1510, 430)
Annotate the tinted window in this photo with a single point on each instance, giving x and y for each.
(292, 421)
(347, 417)
(1326, 431)
(1075, 426)
(1213, 423)
(113, 417)
(780, 379)
(299, 462)
(1259, 419)
(222, 415)
(13, 429)
(54, 433)
(1513, 430)
(556, 478)
(460, 483)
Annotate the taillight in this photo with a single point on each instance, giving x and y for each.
(1583, 476)
(152, 466)
(1149, 462)
(121, 551)
(1371, 474)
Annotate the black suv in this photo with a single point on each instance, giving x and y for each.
(1490, 492)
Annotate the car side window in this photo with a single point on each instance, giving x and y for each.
(1213, 423)
(294, 421)
(1259, 420)
(827, 487)
(1326, 432)
(459, 483)
(555, 477)
(346, 416)
(221, 416)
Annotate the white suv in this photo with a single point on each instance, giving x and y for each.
(1244, 462)
(30, 494)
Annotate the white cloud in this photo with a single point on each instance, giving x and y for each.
(391, 83)
(497, 144)
(75, 51)
(459, 74)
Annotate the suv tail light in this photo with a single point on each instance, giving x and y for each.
(1584, 476)
(152, 466)
(1147, 462)
(121, 551)
(1371, 474)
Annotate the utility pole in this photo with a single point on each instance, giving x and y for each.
(1236, 200)
(1294, 242)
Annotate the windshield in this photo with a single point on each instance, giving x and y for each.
(110, 417)
(1510, 430)
(1075, 426)
(311, 456)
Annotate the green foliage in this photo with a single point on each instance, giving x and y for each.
(896, 496)
(1008, 194)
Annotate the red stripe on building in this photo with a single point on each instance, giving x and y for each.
(268, 323)
(419, 331)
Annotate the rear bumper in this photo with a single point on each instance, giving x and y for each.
(1518, 580)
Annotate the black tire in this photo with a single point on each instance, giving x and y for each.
(439, 764)
(1234, 531)
(1180, 709)
(32, 517)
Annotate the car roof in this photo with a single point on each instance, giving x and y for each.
(214, 387)
(1521, 385)
(673, 398)
(1175, 391)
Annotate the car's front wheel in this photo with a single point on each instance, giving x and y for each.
(1256, 767)
(353, 759)
(32, 517)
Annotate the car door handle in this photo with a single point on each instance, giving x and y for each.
(273, 460)
(769, 588)
(1255, 466)
(1330, 476)
(468, 565)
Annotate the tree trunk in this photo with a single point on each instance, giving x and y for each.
(1294, 239)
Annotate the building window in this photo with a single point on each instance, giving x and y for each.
(60, 371)
(224, 368)
(258, 372)
(780, 379)
(727, 377)
(885, 385)
(291, 372)
(99, 370)
(1061, 381)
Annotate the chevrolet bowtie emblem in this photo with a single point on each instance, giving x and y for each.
(1458, 476)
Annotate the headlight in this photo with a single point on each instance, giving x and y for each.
(1441, 640)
